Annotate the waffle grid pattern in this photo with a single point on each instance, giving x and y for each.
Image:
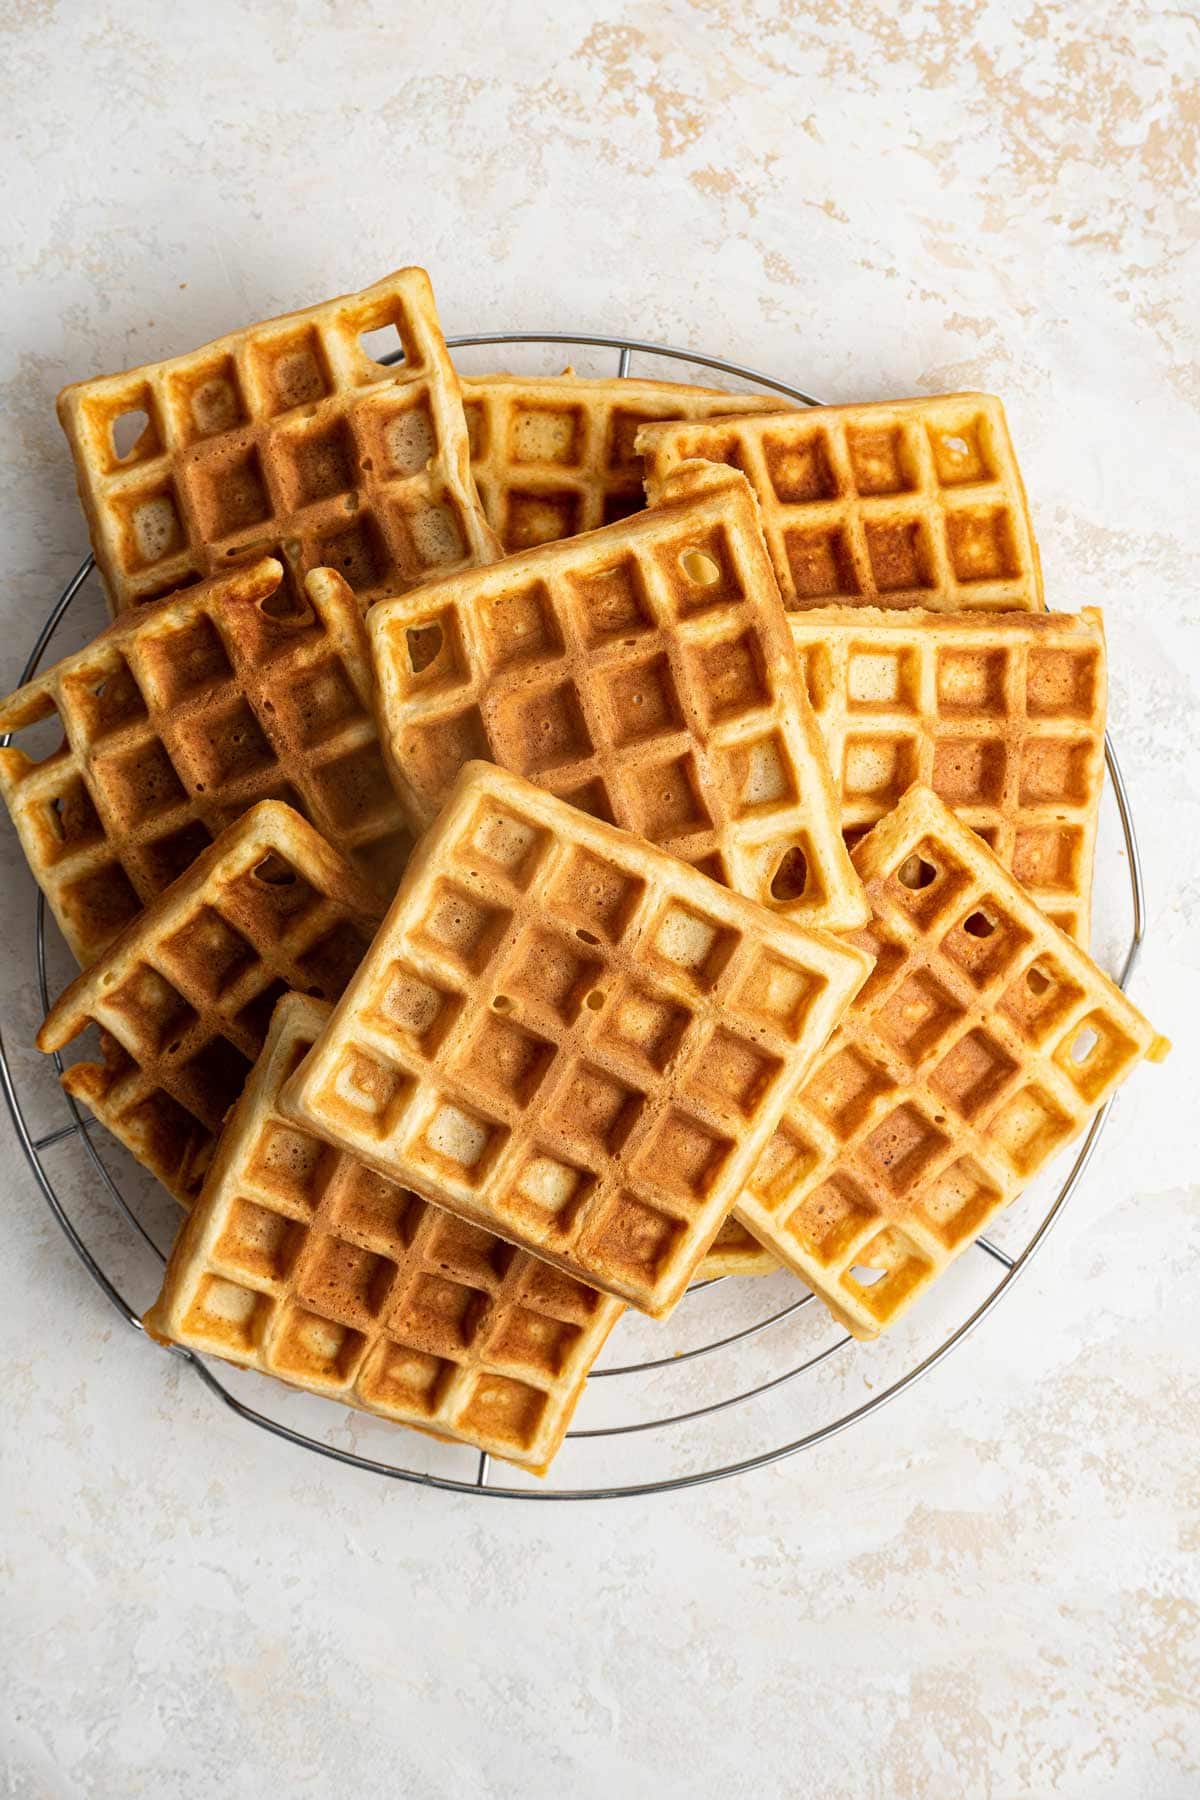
(288, 438)
(184, 996)
(1003, 717)
(571, 1039)
(645, 674)
(980, 1045)
(554, 456)
(893, 503)
(302, 1263)
(177, 720)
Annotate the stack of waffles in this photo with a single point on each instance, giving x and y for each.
(502, 901)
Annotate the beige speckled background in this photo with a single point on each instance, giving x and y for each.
(989, 1589)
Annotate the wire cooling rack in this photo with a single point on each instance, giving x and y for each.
(746, 1372)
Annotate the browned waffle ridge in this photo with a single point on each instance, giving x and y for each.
(983, 1042)
(736, 1251)
(571, 1038)
(285, 438)
(644, 672)
(1002, 714)
(303, 1263)
(180, 717)
(183, 997)
(888, 503)
(553, 455)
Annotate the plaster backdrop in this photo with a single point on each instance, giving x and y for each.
(990, 1588)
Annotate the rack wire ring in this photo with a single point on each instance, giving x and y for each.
(80, 1124)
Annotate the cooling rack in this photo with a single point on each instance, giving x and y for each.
(746, 1372)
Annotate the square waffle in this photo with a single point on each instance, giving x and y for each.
(645, 673)
(893, 503)
(1002, 715)
(983, 1042)
(553, 455)
(571, 1038)
(183, 997)
(288, 438)
(302, 1263)
(176, 720)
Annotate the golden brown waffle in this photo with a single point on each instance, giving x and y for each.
(176, 720)
(983, 1042)
(184, 995)
(645, 673)
(735, 1251)
(302, 1263)
(553, 455)
(895, 503)
(288, 438)
(1002, 715)
(571, 1038)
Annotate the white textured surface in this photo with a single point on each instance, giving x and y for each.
(990, 1589)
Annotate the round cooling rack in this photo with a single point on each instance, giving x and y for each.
(747, 1371)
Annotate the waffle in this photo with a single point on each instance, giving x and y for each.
(895, 503)
(983, 1042)
(302, 1263)
(735, 1251)
(571, 1038)
(180, 717)
(184, 995)
(1003, 716)
(553, 455)
(288, 438)
(645, 673)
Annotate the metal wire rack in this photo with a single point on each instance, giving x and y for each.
(770, 1327)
